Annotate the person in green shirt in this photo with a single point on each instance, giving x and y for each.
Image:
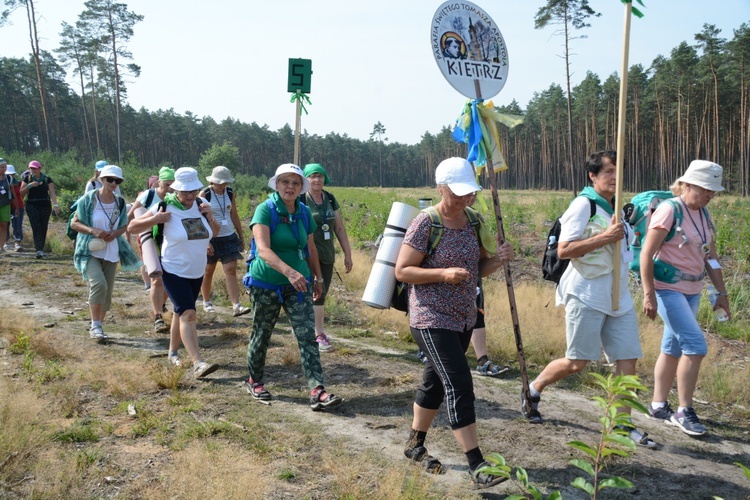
(325, 211)
(285, 273)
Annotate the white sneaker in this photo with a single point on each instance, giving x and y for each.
(208, 307)
(174, 360)
(7, 247)
(96, 332)
(19, 248)
(201, 369)
(239, 310)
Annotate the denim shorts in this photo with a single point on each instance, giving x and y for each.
(682, 333)
(589, 331)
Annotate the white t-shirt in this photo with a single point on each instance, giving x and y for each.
(106, 216)
(186, 237)
(596, 293)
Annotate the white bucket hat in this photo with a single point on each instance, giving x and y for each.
(111, 171)
(458, 175)
(289, 168)
(705, 174)
(220, 175)
(186, 179)
(11, 170)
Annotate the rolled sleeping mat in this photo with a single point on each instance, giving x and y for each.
(149, 252)
(382, 280)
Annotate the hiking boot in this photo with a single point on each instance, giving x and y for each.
(174, 360)
(664, 413)
(239, 310)
(533, 416)
(323, 344)
(688, 422)
(490, 369)
(40, 254)
(201, 369)
(97, 332)
(208, 307)
(257, 391)
(321, 399)
(160, 326)
(482, 480)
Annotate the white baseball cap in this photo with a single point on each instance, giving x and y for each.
(458, 175)
(705, 174)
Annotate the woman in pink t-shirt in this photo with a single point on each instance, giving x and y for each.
(693, 252)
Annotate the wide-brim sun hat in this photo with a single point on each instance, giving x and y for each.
(317, 168)
(220, 175)
(111, 171)
(186, 179)
(289, 168)
(11, 170)
(705, 174)
(458, 175)
(35, 164)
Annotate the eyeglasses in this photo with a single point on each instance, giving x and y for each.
(289, 182)
(112, 179)
(194, 192)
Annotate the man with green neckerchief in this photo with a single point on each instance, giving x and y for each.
(585, 289)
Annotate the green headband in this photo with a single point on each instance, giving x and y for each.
(316, 168)
(166, 174)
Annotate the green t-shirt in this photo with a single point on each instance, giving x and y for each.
(283, 243)
(324, 214)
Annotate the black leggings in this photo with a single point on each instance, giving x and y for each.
(446, 374)
(39, 214)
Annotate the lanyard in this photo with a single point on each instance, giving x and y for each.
(112, 218)
(219, 199)
(702, 232)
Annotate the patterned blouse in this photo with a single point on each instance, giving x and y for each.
(443, 305)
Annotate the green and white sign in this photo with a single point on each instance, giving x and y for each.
(469, 49)
(300, 74)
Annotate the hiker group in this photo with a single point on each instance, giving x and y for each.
(185, 229)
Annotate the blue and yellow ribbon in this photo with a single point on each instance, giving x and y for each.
(302, 97)
(637, 13)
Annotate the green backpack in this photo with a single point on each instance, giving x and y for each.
(638, 214)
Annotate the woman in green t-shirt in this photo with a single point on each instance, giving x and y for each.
(325, 211)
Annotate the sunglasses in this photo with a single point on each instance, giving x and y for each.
(112, 179)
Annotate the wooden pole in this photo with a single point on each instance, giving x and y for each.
(297, 122)
(621, 148)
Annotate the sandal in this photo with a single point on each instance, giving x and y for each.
(323, 400)
(638, 437)
(257, 391)
(490, 369)
(482, 480)
(419, 455)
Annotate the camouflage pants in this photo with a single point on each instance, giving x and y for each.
(266, 309)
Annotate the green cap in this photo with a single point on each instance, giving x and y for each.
(166, 174)
(316, 168)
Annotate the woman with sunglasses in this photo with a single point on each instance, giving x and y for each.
(187, 225)
(101, 220)
(40, 203)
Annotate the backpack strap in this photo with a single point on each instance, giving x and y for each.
(150, 198)
(677, 220)
(436, 229)
(206, 193)
(301, 214)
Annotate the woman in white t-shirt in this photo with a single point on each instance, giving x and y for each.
(227, 246)
(693, 252)
(188, 226)
(101, 220)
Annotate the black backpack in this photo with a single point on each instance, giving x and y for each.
(158, 232)
(207, 194)
(553, 266)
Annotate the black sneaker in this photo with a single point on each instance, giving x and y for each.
(688, 422)
(664, 413)
(482, 480)
(532, 416)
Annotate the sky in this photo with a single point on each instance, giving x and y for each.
(371, 60)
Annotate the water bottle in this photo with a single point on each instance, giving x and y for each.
(713, 294)
(552, 240)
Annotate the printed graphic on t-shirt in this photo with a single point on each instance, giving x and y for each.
(195, 229)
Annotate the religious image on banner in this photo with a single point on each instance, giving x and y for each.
(469, 49)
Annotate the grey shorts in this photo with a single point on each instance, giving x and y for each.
(589, 331)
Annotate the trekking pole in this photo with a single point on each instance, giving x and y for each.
(509, 286)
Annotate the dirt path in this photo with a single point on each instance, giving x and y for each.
(377, 382)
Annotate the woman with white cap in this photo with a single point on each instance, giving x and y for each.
(227, 246)
(41, 201)
(443, 312)
(676, 300)
(95, 182)
(6, 202)
(16, 220)
(285, 273)
(101, 220)
(186, 225)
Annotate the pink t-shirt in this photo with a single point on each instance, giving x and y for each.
(690, 258)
